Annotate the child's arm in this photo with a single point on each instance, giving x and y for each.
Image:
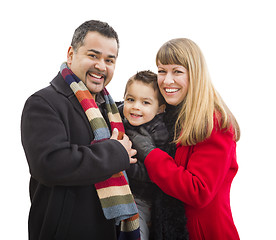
(138, 172)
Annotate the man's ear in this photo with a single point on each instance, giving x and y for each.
(70, 54)
(161, 108)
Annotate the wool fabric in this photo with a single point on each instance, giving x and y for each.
(114, 193)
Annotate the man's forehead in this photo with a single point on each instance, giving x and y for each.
(100, 44)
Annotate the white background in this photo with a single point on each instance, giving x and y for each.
(237, 38)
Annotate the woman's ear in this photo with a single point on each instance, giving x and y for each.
(161, 108)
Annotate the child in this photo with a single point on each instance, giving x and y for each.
(144, 107)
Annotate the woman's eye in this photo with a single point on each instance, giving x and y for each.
(161, 71)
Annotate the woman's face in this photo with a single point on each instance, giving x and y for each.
(173, 82)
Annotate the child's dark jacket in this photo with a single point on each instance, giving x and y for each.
(140, 184)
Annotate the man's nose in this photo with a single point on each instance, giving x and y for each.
(100, 65)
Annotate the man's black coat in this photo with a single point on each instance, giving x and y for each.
(56, 137)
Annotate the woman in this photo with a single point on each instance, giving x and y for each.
(200, 163)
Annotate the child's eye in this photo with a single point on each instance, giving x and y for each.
(130, 99)
(146, 102)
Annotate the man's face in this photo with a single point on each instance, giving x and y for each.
(94, 61)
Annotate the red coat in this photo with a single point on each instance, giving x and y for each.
(200, 176)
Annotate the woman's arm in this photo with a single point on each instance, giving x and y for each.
(206, 169)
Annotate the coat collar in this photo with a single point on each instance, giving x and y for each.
(61, 86)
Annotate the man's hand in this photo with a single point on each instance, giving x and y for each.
(127, 145)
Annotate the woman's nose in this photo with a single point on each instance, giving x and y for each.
(168, 79)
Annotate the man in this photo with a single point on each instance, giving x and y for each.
(56, 136)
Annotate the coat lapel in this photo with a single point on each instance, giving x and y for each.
(63, 88)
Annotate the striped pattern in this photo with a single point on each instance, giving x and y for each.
(114, 193)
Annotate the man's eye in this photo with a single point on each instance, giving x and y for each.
(110, 61)
(92, 56)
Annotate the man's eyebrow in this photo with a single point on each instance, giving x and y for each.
(98, 52)
(95, 51)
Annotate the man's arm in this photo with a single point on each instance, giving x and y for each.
(54, 160)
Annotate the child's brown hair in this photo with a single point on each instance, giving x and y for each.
(147, 77)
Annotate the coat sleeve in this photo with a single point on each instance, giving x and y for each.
(54, 160)
(196, 183)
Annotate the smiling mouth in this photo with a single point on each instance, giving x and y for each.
(97, 75)
(171, 90)
(135, 115)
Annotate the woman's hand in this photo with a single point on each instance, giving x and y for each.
(142, 142)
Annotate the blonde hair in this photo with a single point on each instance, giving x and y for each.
(195, 121)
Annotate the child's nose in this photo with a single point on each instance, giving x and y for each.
(136, 105)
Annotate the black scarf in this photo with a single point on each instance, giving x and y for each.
(168, 213)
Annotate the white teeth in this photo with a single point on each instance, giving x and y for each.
(95, 76)
(169, 90)
(136, 115)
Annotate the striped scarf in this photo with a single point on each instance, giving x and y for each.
(114, 193)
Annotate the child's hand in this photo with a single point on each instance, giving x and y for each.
(142, 142)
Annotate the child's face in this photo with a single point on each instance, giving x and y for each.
(140, 104)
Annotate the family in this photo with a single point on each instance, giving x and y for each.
(157, 165)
